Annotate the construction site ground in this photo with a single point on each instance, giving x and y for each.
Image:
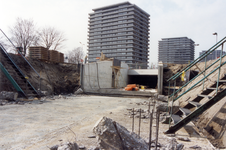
(40, 124)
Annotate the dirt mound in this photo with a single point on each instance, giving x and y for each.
(56, 78)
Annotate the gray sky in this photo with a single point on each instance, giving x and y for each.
(196, 19)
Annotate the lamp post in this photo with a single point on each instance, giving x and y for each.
(81, 44)
(195, 45)
(215, 33)
(82, 47)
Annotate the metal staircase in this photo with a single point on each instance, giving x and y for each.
(15, 75)
(214, 93)
(11, 70)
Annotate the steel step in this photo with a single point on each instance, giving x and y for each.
(223, 81)
(175, 119)
(197, 112)
(210, 88)
(185, 111)
(32, 95)
(24, 87)
(14, 74)
(196, 104)
(205, 96)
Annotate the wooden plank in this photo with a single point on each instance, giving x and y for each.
(38, 52)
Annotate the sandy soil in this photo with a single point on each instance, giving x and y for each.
(38, 125)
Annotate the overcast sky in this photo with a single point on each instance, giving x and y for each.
(195, 19)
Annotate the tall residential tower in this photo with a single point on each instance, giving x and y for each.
(178, 50)
(120, 31)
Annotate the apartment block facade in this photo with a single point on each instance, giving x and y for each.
(120, 31)
(179, 50)
(214, 55)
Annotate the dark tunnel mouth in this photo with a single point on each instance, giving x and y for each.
(147, 80)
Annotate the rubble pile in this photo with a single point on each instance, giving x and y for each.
(8, 98)
(136, 113)
(12, 96)
(162, 107)
(65, 146)
(113, 136)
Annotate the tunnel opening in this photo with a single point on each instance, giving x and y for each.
(146, 80)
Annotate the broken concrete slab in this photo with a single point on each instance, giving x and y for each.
(79, 91)
(66, 146)
(173, 144)
(12, 96)
(184, 139)
(163, 98)
(113, 136)
(162, 107)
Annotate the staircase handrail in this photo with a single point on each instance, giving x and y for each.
(196, 112)
(11, 59)
(16, 66)
(213, 48)
(197, 76)
(11, 79)
(199, 81)
(20, 53)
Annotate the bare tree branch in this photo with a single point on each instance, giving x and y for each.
(24, 34)
(51, 38)
(76, 55)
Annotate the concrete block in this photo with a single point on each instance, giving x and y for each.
(8, 95)
(113, 136)
(163, 98)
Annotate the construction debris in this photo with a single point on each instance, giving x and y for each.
(12, 96)
(79, 91)
(174, 145)
(112, 135)
(163, 98)
(195, 147)
(66, 146)
(131, 87)
(162, 107)
(184, 139)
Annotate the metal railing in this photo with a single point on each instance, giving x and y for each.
(16, 50)
(175, 97)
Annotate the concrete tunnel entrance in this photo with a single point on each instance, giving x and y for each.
(145, 77)
(147, 80)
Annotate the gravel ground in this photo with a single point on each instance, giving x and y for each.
(37, 124)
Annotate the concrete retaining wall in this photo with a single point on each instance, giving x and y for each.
(98, 76)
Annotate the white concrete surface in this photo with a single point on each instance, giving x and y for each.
(91, 76)
(122, 78)
(146, 93)
(143, 72)
(160, 78)
(98, 76)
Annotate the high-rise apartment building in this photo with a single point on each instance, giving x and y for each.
(120, 31)
(214, 55)
(178, 50)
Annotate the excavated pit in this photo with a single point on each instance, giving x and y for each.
(56, 78)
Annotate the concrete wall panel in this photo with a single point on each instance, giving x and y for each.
(123, 76)
(102, 72)
(91, 76)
